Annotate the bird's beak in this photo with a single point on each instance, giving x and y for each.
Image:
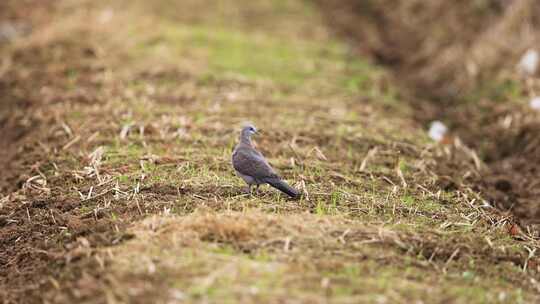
(258, 132)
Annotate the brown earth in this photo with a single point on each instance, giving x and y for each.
(41, 228)
(455, 62)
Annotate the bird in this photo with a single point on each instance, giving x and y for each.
(253, 168)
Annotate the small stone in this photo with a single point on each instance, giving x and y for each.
(535, 103)
(528, 64)
(437, 130)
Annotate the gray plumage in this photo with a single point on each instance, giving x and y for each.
(253, 168)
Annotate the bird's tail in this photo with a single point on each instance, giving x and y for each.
(283, 187)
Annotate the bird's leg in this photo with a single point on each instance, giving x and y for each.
(249, 189)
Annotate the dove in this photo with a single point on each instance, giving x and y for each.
(253, 168)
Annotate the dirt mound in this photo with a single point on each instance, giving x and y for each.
(457, 61)
(445, 49)
(513, 179)
(17, 19)
(43, 226)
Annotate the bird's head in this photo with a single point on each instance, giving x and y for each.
(249, 129)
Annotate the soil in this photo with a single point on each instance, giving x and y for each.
(438, 90)
(41, 228)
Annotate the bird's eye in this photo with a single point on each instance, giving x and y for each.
(252, 129)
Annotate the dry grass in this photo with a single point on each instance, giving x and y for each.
(256, 256)
(126, 188)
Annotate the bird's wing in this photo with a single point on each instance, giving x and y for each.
(250, 162)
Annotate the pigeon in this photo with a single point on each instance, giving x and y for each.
(253, 168)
